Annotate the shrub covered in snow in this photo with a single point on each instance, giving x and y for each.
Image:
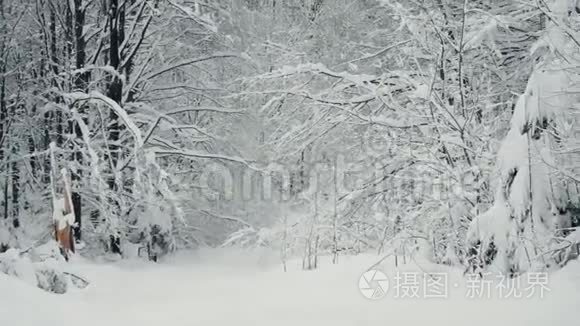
(43, 267)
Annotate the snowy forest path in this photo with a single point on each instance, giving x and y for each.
(195, 291)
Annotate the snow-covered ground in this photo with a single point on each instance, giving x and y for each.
(237, 288)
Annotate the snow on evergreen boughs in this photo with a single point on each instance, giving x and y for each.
(515, 234)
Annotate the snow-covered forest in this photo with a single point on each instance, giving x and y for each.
(302, 135)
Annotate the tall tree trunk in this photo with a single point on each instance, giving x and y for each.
(3, 106)
(81, 82)
(115, 92)
(115, 89)
(54, 64)
(15, 188)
